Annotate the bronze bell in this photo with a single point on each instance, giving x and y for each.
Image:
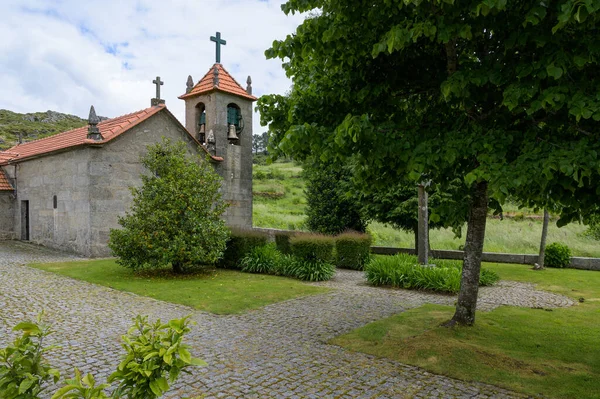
(232, 136)
(202, 129)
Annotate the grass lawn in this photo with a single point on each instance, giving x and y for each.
(279, 202)
(216, 291)
(553, 353)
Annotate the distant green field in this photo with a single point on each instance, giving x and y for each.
(279, 202)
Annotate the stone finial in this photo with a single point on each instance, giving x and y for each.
(216, 76)
(93, 131)
(189, 84)
(249, 85)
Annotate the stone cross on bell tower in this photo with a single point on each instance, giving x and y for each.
(219, 42)
(157, 100)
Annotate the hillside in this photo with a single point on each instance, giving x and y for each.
(34, 126)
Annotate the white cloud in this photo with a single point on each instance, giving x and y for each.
(65, 55)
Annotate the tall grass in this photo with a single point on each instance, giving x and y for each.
(403, 271)
(508, 235)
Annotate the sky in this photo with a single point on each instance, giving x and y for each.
(65, 55)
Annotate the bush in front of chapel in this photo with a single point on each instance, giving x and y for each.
(175, 219)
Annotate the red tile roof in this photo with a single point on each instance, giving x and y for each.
(227, 84)
(4, 183)
(109, 129)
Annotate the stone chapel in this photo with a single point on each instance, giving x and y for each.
(67, 191)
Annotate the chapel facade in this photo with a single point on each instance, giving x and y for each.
(67, 191)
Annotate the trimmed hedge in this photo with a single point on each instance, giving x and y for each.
(352, 250)
(313, 247)
(403, 271)
(282, 241)
(557, 255)
(240, 243)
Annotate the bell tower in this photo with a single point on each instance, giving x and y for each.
(218, 112)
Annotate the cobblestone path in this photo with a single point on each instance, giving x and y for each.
(276, 352)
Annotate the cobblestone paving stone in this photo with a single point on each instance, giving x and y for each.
(279, 351)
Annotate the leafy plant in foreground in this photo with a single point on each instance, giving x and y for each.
(264, 259)
(24, 373)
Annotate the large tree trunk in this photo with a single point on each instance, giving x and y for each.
(543, 242)
(469, 283)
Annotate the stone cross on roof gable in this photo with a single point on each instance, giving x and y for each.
(219, 42)
(157, 100)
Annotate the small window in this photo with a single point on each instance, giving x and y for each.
(55, 202)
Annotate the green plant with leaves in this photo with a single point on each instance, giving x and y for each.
(329, 207)
(313, 247)
(24, 372)
(176, 214)
(156, 355)
(403, 271)
(262, 259)
(306, 270)
(80, 387)
(352, 250)
(501, 94)
(557, 255)
(240, 243)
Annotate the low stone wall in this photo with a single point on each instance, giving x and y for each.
(495, 257)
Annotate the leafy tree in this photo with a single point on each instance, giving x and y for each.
(176, 214)
(398, 204)
(330, 209)
(260, 143)
(502, 94)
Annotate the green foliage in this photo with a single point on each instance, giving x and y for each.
(176, 214)
(24, 373)
(282, 241)
(240, 243)
(593, 222)
(306, 270)
(313, 247)
(329, 209)
(261, 259)
(156, 355)
(34, 126)
(80, 387)
(352, 250)
(509, 111)
(403, 271)
(557, 255)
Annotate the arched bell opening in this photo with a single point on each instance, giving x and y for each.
(200, 118)
(235, 123)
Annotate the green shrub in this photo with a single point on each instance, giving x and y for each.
(306, 270)
(264, 259)
(593, 222)
(313, 247)
(557, 255)
(24, 372)
(403, 271)
(240, 243)
(282, 241)
(352, 250)
(175, 219)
